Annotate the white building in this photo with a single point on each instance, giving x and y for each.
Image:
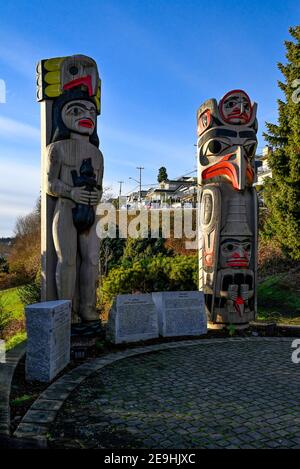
(263, 169)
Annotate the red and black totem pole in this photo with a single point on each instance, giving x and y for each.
(228, 208)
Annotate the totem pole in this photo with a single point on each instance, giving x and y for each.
(228, 208)
(72, 171)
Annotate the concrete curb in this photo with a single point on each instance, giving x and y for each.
(7, 370)
(37, 421)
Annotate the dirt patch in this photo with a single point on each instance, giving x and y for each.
(13, 328)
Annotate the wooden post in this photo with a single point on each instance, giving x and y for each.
(68, 89)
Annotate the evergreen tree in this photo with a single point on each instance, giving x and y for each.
(162, 174)
(282, 192)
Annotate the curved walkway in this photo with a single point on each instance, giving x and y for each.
(234, 393)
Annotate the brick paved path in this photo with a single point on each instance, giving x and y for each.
(240, 394)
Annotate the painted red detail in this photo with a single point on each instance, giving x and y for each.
(238, 302)
(208, 259)
(235, 113)
(236, 260)
(250, 174)
(224, 167)
(238, 263)
(86, 123)
(201, 125)
(86, 80)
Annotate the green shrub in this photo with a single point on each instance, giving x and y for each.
(31, 292)
(4, 265)
(141, 248)
(150, 274)
(111, 251)
(15, 340)
(5, 317)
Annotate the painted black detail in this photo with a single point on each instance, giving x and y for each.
(84, 215)
(60, 131)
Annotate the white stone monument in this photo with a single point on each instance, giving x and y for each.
(180, 313)
(132, 318)
(48, 328)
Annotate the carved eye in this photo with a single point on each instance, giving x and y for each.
(75, 111)
(229, 247)
(215, 147)
(248, 247)
(73, 70)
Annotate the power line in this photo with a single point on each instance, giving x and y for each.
(131, 190)
(187, 174)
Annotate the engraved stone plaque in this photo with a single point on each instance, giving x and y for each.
(132, 318)
(48, 328)
(180, 313)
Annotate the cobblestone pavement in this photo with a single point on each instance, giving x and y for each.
(227, 395)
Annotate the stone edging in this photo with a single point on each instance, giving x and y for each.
(38, 419)
(7, 370)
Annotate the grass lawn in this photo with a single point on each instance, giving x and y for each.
(10, 301)
(12, 308)
(279, 299)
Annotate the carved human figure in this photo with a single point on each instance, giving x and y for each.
(74, 173)
(72, 244)
(228, 210)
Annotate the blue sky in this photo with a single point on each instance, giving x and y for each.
(158, 61)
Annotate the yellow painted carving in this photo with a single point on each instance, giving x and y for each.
(98, 104)
(53, 90)
(53, 64)
(52, 77)
(98, 97)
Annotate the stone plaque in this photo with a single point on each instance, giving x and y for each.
(48, 328)
(132, 318)
(180, 313)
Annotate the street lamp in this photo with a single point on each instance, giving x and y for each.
(140, 181)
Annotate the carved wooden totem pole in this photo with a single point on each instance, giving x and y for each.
(72, 170)
(228, 208)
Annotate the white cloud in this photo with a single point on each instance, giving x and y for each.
(18, 54)
(19, 179)
(19, 190)
(10, 212)
(12, 128)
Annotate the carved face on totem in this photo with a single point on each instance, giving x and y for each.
(80, 116)
(235, 253)
(73, 86)
(235, 107)
(227, 140)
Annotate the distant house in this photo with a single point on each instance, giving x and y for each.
(263, 169)
(176, 191)
(135, 196)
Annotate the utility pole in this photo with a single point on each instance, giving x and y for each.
(140, 170)
(139, 181)
(120, 191)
